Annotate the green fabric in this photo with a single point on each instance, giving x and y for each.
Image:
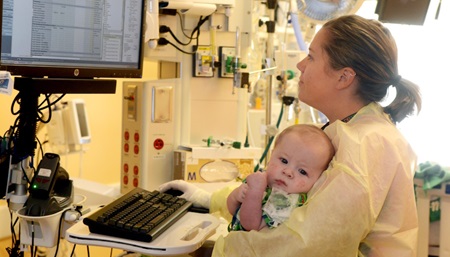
(432, 174)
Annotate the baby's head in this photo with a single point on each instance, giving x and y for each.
(300, 154)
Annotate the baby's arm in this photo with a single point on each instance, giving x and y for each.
(251, 208)
(235, 198)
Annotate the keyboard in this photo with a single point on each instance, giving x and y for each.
(138, 215)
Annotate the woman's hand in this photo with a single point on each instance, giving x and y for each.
(198, 196)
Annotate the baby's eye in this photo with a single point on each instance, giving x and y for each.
(283, 160)
(303, 172)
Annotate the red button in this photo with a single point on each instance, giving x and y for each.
(136, 137)
(135, 182)
(135, 170)
(125, 168)
(127, 135)
(136, 149)
(126, 147)
(158, 144)
(125, 180)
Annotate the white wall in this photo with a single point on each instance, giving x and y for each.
(424, 54)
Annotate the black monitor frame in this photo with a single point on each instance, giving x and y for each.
(82, 71)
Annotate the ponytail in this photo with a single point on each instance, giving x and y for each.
(407, 98)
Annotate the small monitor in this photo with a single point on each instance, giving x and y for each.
(76, 123)
(411, 12)
(72, 39)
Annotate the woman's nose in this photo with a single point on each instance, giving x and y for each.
(301, 65)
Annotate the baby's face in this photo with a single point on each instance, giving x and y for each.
(295, 164)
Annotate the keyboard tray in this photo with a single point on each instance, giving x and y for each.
(185, 236)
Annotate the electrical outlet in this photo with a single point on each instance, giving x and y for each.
(203, 62)
(226, 61)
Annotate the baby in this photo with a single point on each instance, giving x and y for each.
(300, 154)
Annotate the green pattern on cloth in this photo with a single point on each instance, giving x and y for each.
(236, 225)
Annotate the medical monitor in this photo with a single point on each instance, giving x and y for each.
(72, 38)
(76, 122)
(411, 12)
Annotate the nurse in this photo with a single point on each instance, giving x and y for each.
(363, 204)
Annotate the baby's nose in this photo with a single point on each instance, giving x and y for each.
(288, 172)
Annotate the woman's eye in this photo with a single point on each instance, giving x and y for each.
(303, 172)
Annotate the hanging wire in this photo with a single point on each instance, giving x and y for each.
(266, 150)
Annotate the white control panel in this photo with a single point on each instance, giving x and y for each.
(148, 129)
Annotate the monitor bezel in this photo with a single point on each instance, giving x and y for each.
(81, 72)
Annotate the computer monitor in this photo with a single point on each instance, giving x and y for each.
(72, 38)
(65, 46)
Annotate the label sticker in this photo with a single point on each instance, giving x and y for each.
(6, 83)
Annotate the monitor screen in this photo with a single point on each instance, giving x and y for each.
(411, 12)
(72, 38)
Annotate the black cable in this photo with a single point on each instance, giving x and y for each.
(13, 232)
(40, 148)
(59, 231)
(32, 239)
(164, 29)
(21, 143)
(88, 252)
(163, 41)
(31, 165)
(176, 39)
(197, 28)
(40, 114)
(48, 106)
(182, 25)
(199, 24)
(16, 99)
(54, 102)
(25, 173)
(73, 250)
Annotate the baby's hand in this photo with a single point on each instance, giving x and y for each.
(242, 190)
(257, 181)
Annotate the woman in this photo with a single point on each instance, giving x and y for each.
(363, 204)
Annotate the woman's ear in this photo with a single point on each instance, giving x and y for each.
(347, 77)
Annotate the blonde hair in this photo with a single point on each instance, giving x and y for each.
(308, 130)
(369, 49)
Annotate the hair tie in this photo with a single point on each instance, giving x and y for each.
(396, 80)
